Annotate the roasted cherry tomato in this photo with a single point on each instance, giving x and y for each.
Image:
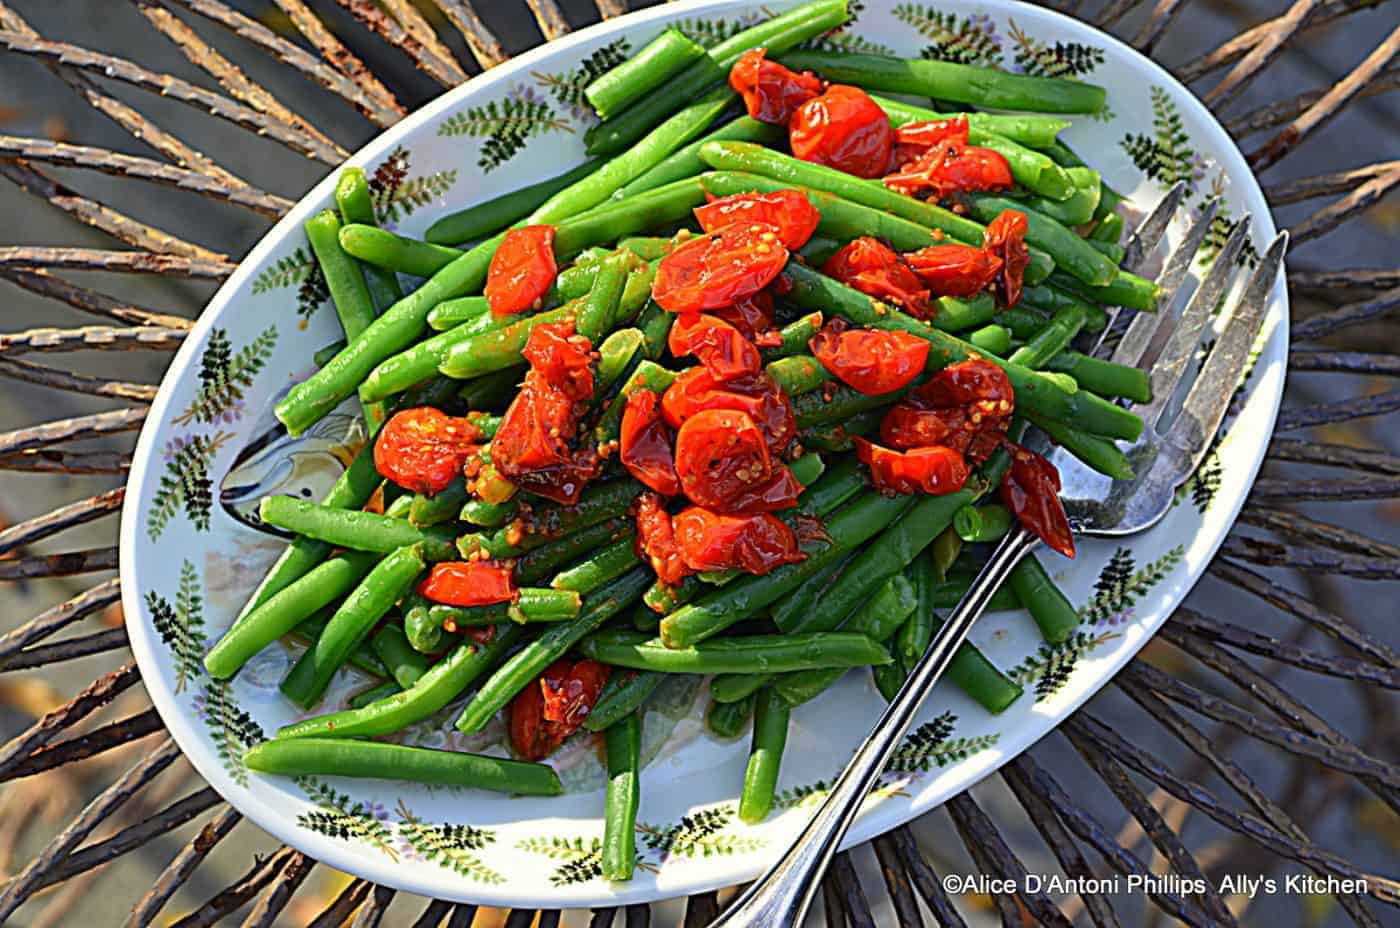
(872, 361)
(978, 384)
(935, 471)
(756, 395)
(844, 129)
(926, 133)
(909, 425)
(755, 544)
(719, 347)
(656, 541)
(468, 583)
(720, 453)
(522, 270)
(553, 707)
(955, 270)
(779, 491)
(719, 268)
(949, 168)
(646, 444)
(1006, 238)
(875, 269)
(1031, 490)
(771, 92)
(752, 316)
(788, 211)
(423, 449)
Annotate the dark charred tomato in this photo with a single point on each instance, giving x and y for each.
(771, 92)
(788, 211)
(646, 444)
(468, 583)
(949, 168)
(752, 316)
(757, 395)
(869, 360)
(656, 540)
(908, 425)
(553, 707)
(719, 268)
(721, 348)
(423, 449)
(977, 384)
(955, 270)
(935, 471)
(522, 270)
(1031, 490)
(844, 129)
(720, 453)
(755, 544)
(875, 269)
(1006, 238)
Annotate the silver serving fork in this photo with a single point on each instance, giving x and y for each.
(1162, 343)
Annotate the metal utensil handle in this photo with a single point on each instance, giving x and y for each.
(779, 898)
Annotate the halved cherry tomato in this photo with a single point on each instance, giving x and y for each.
(955, 270)
(720, 453)
(646, 444)
(875, 269)
(949, 168)
(755, 544)
(926, 133)
(469, 583)
(1006, 238)
(771, 92)
(977, 383)
(790, 212)
(872, 361)
(1031, 490)
(752, 316)
(720, 348)
(844, 129)
(757, 395)
(522, 270)
(423, 449)
(553, 707)
(935, 471)
(779, 491)
(560, 358)
(909, 425)
(656, 541)
(719, 268)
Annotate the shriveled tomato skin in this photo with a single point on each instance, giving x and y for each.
(1006, 238)
(950, 168)
(1031, 490)
(720, 453)
(469, 583)
(719, 268)
(788, 211)
(546, 712)
(976, 383)
(756, 395)
(423, 449)
(656, 540)
(778, 492)
(568, 698)
(752, 316)
(720, 347)
(645, 444)
(937, 470)
(872, 267)
(756, 544)
(908, 426)
(771, 92)
(522, 270)
(843, 129)
(872, 361)
(955, 270)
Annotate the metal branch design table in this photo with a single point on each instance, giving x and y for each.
(1210, 687)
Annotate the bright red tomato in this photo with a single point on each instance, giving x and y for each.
(926, 133)
(553, 707)
(872, 361)
(977, 383)
(719, 268)
(875, 269)
(752, 316)
(423, 449)
(771, 92)
(908, 425)
(844, 129)
(955, 270)
(721, 348)
(1031, 490)
(720, 453)
(468, 583)
(1006, 238)
(935, 471)
(778, 492)
(950, 168)
(522, 270)
(755, 544)
(789, 211)
(656, 540)
(756, 395)
(646, 444)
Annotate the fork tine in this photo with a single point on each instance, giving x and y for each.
(1171, 363)
(1142, 243)
(1148, 329)
(1205, 405)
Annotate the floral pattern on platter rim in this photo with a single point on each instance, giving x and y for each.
(191, 552)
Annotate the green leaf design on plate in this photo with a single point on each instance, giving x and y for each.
(1166, 156)
(930, 746)
(1052, 665)
(961, 39)
(343, 818)
(582, 858)
(1071, 60)
(567, 87)
(711, 32)
(185, 483)
(506, 125)
(230, 727)
(1120, 584)
(700, 834)
(285, 271)
(224, 375)
(181, 626)
(451, 846)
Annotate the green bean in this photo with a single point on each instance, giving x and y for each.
(728, 719)
(972, 673)
(325, 354)
(1072, 254)
(1126, 289)
(663, 598)
(404, 663)
(1078, 207)
(430, 510)
(595, 314)
(451, 313)
(359, 531)
(346, 283)
(623, 695)
(644, 619)
(486, 219)
(618, 353)
(655, 325)
(795, 336)
(1112, 250)
(840, 404)
(738, 654)
(729, 688)
(1103, 377)
(798, 374)
(1051, 340)
(1033, 130)
(1108, 229)
(398, 253)
(685, 162)
(356, 203)
(541, 562)
(280, 612)
(987, 522)
(492, 391)
(1099, 453)
(525, 666)
(648, 376)
(623, 743)
(382, 760)
(373, 694)
(948, 594)
(1053, 300)
(807, 470)
(362, 658)
(788, 611)
(645, 72)
(837, 437)
(913, 637)
(608, 564)
(532, 604)
(1047, 605)
(945, 80)
(351, 624)
(422, 629)
(397, 503)
(888, 679)
(819, 250)
(770, 727)
(601, 501)
(945, 551)
(488, 515)
(993, 339)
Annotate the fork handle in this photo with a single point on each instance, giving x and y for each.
(780, 898)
